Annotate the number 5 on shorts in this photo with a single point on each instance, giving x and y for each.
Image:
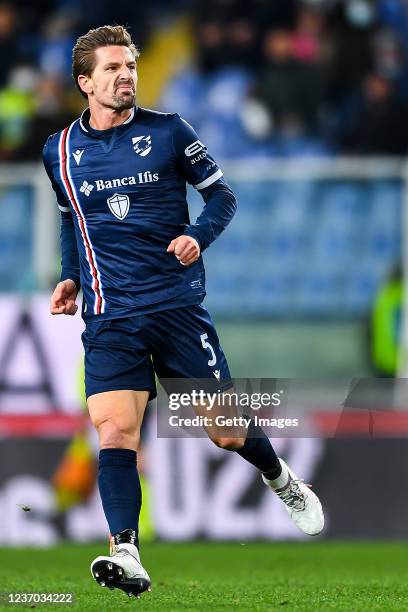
(207, 345)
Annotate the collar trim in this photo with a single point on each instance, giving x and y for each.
(86, 114)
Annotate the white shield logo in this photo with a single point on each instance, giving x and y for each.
(142, 145)
(119, 205)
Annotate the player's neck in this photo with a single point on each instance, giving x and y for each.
(106, 118)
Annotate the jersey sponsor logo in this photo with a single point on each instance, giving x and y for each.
(86, 188)
(77, 155)
(202, 155)
(140, 179)
(194, 148)
(119, 205)
(142, 145)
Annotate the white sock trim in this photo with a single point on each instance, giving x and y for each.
(281, 480)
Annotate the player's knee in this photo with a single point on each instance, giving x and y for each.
(232, 444)
(116, 435)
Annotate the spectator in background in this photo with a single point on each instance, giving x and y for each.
(17, 108)
(210, 38)
(8, 40)
(226, 46)
(351, 28)
(240, 43)
(308, 59)
(31, 14)
(308, 38)
(55, 53)
(376, 121)
(228, 31)
(394, 14)
(290, 90)
(52, 104)
(388, 57)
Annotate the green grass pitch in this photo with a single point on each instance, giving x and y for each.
(217, 576)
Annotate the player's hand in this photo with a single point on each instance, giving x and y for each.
(185, 248)
(63, 298)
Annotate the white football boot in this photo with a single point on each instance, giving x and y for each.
(122, 569)
(302, 505)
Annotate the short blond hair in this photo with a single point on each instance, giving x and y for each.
(83, 54)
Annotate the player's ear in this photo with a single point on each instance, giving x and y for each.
(85, 83)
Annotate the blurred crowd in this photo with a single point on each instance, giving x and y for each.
(330, 71)
(276, 77)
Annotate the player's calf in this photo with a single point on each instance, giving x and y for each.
(232, 444)
(302, 505)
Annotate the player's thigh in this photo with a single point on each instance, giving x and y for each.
(119, 379)
(116, 358)
(187, 355)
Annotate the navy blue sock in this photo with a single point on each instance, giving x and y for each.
(120, 490)
(259, 451)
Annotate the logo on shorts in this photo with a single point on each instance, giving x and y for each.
(119, 205)
(142, 145)
(217, 374)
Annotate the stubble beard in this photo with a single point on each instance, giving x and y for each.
(120, 103)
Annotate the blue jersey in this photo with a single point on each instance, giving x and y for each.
(122, 197)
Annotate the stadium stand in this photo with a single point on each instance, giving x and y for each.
(329, 243)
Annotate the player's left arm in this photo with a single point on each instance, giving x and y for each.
(200, 170)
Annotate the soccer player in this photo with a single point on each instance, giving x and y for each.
(119, 173)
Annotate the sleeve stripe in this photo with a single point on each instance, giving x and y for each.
(209, 181)
(64, 208)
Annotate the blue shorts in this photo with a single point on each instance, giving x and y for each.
(177, 343)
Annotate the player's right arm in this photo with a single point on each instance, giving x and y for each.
(65, 293)
(63, 298)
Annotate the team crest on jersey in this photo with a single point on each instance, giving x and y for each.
(119, 205)
(142, 145)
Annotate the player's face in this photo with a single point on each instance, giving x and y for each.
(114, 78)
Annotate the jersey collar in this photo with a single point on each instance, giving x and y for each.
(84, 122)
